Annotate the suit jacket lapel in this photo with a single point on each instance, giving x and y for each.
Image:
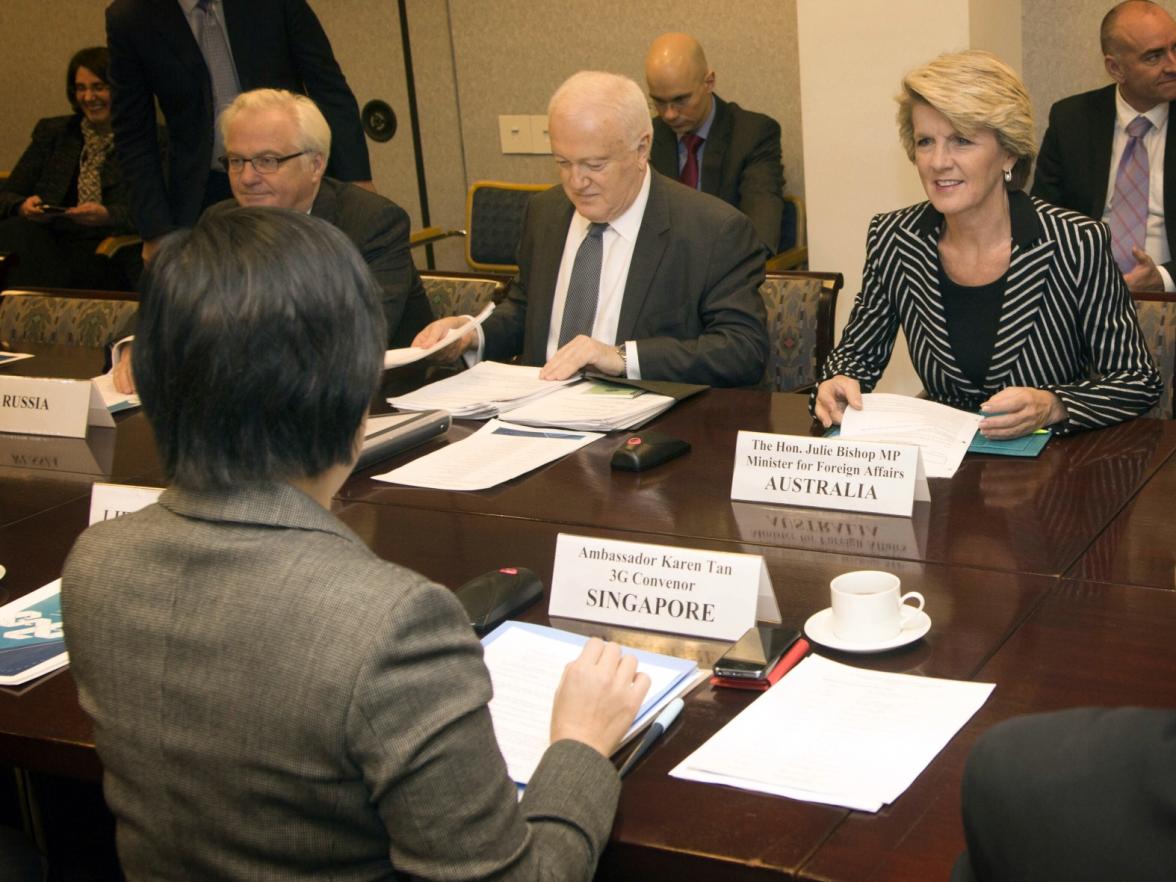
(325, 205)
(1021, 311)
(923, 317)
(1170, 180)
(716, 146)
(546, 256)
(169, 22)
(652, 238)
(1101, 140)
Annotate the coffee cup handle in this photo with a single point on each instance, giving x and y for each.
(909, 612)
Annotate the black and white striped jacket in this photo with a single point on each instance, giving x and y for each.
(1067, 325)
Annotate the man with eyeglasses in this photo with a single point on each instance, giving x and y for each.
(277, 145)
(710, 144)
(620, 270)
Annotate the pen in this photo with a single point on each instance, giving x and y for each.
(664, 720)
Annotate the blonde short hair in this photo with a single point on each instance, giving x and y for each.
(974, 90)
(608, 96)
(314, 135)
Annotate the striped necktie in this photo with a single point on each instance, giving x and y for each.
(214, 46)
(579, 313)
(1128, 220)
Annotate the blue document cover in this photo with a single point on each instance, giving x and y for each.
(1026, 445)
(31, 641)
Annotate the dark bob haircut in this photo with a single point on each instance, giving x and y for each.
(258, 348)
(96, 60)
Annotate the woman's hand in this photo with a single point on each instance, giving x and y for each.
(833, 396)
(89, 214)
(1019, 410)
(31, 209)
(598, 697)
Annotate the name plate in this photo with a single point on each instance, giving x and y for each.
(712, 594)
(109, 501)
(834, 473)
(42, 406)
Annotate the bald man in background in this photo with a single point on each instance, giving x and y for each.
(710, 144)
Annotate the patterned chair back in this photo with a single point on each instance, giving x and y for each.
(455, 293)
(1157, 320)
(801, 308)
(75, 318)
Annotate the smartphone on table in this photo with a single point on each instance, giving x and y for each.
(753, 655)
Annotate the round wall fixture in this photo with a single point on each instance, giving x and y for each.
(379, 120)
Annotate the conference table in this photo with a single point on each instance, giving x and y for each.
(1033, 575)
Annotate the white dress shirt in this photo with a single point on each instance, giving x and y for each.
(1156, 242)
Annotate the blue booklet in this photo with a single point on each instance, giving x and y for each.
(31, 641)
(1026, 445)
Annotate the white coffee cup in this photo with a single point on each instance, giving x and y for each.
(867, 607)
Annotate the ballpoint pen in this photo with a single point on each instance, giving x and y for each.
(664, 720)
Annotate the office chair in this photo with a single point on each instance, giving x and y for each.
(801, 309)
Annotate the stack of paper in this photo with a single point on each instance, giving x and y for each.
(409, 354)
(526, 662)
(485, 390)
(496, 453)
(941, 433)
(595, 407)
(31, 642)
(835, 734)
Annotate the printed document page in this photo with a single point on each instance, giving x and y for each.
(481, 391)
(526, 663)
(942, 433)
(409, 354)
(495, 453)
(836, 734)
(598, 407)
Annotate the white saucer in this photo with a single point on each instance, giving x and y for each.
(820, 628)
(2, 572)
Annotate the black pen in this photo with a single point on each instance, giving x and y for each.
(664, 720)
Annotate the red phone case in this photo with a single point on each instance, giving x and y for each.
(786, 663)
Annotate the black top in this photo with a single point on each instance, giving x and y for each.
(973, 315)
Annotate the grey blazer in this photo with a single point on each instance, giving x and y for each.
(691, 300)
(271, 700)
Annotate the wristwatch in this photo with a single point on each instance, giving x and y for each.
(623, 353)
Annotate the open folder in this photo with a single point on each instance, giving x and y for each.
(526, 662)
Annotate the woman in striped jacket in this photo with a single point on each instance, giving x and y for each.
(1010, 306)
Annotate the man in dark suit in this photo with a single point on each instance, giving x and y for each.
(621, 270)
(1082, 155)
(1082, 794)
(157, 54)
(272, 127)
(711, 144)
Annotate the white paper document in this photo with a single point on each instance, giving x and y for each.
(497, 452)
(596, 407)
(836, 734)
(942, 433)
(114, 400)
(526, 663)
(409, 354)
(485, 390)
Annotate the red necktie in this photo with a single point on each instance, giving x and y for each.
(689, 173)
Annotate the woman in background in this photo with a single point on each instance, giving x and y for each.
(1010, 306)
(66, 193)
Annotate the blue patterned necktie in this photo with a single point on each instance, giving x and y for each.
(579, 313)
(214, 46)
(1128, 220)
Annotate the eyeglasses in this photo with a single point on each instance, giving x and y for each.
(96, 88)
(265, 164)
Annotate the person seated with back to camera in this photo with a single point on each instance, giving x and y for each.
(70, 165)
(1010, 306)
(270, 699)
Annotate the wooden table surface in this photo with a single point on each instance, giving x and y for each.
(987, 553)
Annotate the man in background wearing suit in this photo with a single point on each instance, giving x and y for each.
(194, 57)
(621, 270)
(709, 144)
(277, 147)
(1109, 154)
